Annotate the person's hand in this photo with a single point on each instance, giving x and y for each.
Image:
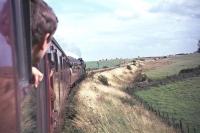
(38, 76)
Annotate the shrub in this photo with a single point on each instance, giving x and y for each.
(118, 65)
(142, 77)
(134, 62)
(88, 69)
(128, 67)
(103, 80)
(164, 57)
(190, 70)
(142, 59)
(105, 66)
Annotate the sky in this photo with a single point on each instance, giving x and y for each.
(100, 29)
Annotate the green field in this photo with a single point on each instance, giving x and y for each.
(181, 100)
(105, 63)
(178, 63)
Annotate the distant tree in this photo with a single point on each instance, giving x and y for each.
(198, 47)
(98, 64)
(105, 66)
(134, 62)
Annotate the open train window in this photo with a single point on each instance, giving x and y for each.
(61, 63)
(65, 63)
(55, 56)
(49, 57)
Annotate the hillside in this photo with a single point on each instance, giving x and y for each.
(95, 107)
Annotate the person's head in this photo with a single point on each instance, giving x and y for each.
(43, 25)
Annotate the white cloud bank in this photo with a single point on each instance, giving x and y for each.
(127, 28)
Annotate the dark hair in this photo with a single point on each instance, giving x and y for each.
(43, 21)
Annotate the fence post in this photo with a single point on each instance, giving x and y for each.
(181, 126)
(167, 116)
(188, 128)
(163, 116)
(173, 121)
(148, 106)
(152, 108)
(194, 130)
(157, 112)
(168, 119)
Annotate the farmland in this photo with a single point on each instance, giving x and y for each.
(105, 63)
(180, 100)
(170, 66)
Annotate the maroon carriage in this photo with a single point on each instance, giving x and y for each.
(24, 108)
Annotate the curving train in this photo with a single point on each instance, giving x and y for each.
(62, 73)
(23, 108)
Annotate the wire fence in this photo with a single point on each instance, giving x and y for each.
(169, 119)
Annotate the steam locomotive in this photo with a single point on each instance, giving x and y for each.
(24, 108)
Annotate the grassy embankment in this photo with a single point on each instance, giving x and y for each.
(95, 107)
(180, 99)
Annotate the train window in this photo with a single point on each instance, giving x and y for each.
(63, 58)
(51, 47)
(61, 63)
(55, 59)
(65, 63)
(49, 57)
(51, 53)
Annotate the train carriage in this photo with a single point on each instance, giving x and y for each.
(24, 108)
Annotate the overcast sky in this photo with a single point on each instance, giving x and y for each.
(97, 29)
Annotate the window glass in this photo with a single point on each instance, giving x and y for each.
(7, 86)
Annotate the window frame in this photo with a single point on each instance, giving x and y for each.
(22, 32)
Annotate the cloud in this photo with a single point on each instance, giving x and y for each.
(180, 7)
(126, 28)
